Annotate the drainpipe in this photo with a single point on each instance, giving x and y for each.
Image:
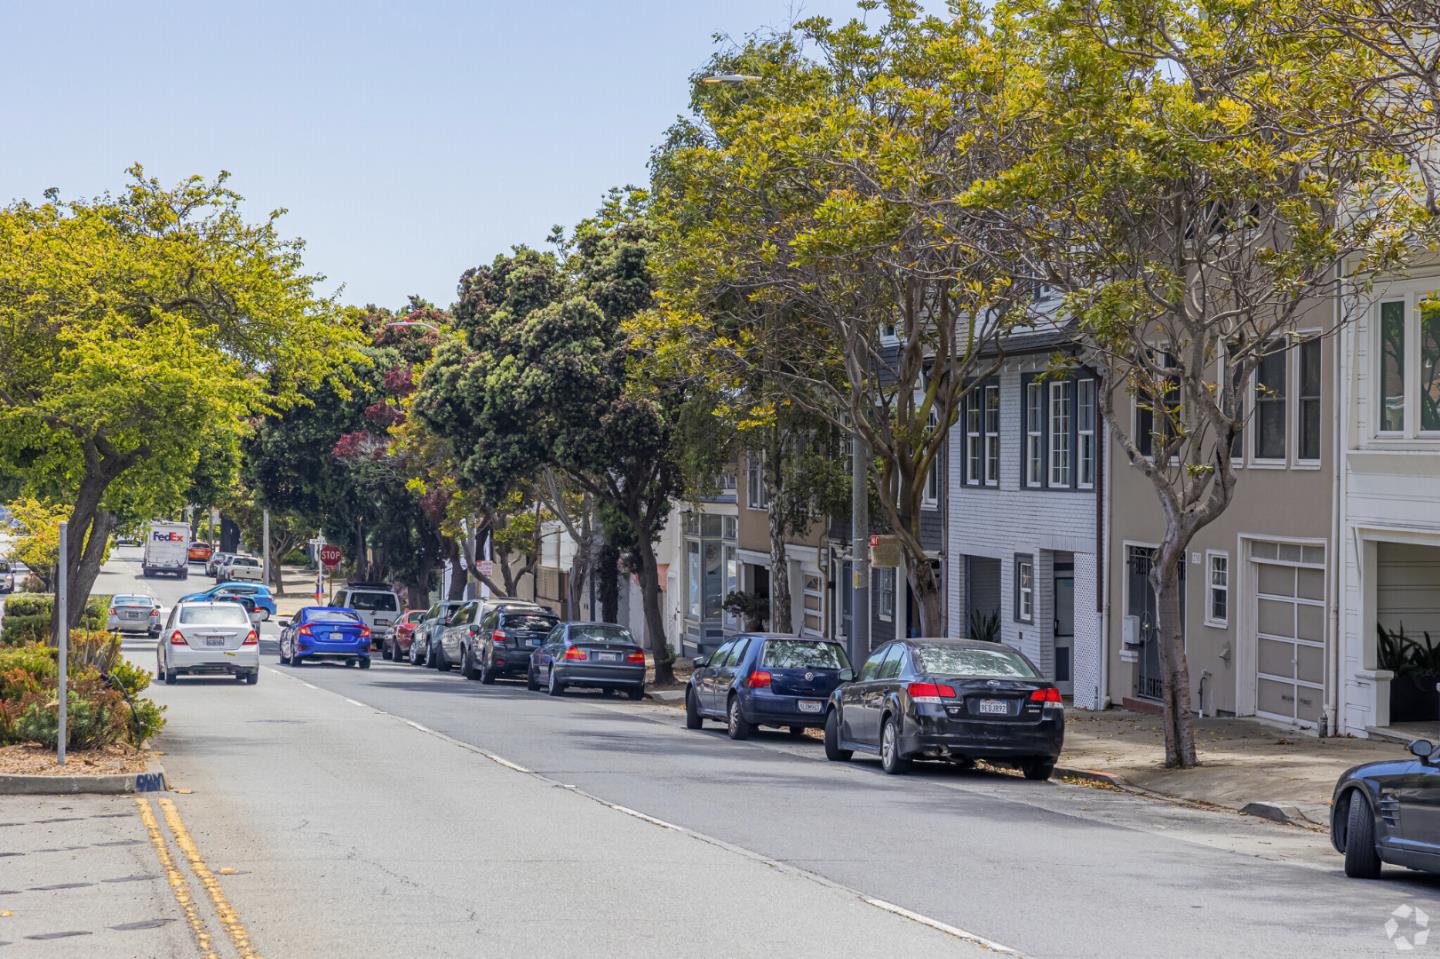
(1102, 571)
(1330, 721)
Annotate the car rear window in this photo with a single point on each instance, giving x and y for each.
(131, 601)
(799, 654)
(331, 616)
(529, 622)
(381, 602)
(243, 561)
(222, 615)
(966, 661)
(600, 634)
(415, 617)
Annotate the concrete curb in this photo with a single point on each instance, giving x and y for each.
(1280, 811)
(1074, 772)
(666, 695)
(114, 784)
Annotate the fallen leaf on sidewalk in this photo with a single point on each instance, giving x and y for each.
(181, 790)
(227, 871)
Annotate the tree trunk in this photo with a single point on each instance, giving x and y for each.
(607, 576)
(654, 616)
(925, 584)
(84, 551)
(780, 603)
(456, 590)
(360, 569)
(1179, 725)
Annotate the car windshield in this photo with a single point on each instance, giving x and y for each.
(383, 602)
(799, 654)
(331, 616)
(530, 623)
(968, 661)
(601, 634)
(220, 615)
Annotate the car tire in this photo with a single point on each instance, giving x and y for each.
(1038, 769)
(430, 656)
(1361, 859)
(554, 687)
(891, 761)
(636, 693)
(441, 662)
(735, 724)
(693, 719)
(487, 673)
(467, 665)
(252, 677)
(833, 752)
(531, 683)
(170, 677)
(364, 662)
(295, 659)
(385, 651)
(284, 656)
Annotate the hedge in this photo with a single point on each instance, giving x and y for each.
(27, 617)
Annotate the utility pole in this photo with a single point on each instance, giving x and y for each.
(62, 638)
(859, 549)
(265, 544)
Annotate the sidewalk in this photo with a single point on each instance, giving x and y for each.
(1241, 761)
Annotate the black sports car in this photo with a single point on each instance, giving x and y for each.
(1389, 812)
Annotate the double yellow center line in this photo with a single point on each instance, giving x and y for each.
(229, 920)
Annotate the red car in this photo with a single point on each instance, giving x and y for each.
(397, 646)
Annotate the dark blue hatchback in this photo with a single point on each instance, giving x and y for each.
(766, 679)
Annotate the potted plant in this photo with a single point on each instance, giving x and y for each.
(752, 609)
(1416, 665)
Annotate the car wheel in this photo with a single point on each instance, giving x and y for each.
(295, 659)
(531, 683)
(693, 719)
(170, 677)
(349, 663)
(736, 725)
(252, 677)
(430, 656)
(467, 665)
(833, 752)
(441, 662)
(364, 662)
(385, 651)
(890, 759)
(637, 693)
(1038, 769)
(555, 687)
(487, 673)
(1361, 859)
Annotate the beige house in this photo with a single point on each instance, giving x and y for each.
(1259, 583)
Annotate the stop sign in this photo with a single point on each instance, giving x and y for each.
(330, 556)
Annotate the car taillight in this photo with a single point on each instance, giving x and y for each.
(497, 637)
(154, 614)
(304, 630)
(758, 680)
(1047, 695)
(575, 652)
(929, 692)
(636, 657)
(111, 613)
(251, 639)
(177, 638)
(364, 631)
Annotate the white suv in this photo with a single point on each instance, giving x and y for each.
(238, 569)
(378, 605)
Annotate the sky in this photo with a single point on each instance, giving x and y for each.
(407, 140)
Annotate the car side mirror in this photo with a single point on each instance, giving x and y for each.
(284, 624)
(701, 661)
(1422, 749)
(847, 675)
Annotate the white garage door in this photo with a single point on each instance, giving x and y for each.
(1289, 620)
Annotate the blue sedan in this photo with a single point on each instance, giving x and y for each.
(260, 595)
(763, 679)
(325, 633)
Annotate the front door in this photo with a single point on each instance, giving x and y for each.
(1141, 603)
(1064, 626)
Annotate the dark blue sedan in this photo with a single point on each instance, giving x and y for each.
(1386, 812)
(325, 633)
(765, 679)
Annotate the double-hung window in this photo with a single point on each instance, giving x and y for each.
(1024, 588)
(756, 496)
(992, 434)
(1271, 405)
(1309, 401)
(885, 594)
(930, 497)
(1217, 606)
(974, 449)
(1085, 434)
(1060, 433)
(982, 436)
(1408, 378)
(1286, 395)
(1034, 433)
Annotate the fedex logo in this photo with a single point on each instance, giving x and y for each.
(170, 537)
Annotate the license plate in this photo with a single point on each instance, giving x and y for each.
(994, 707)
(534, 642)
(810, 705)
(609, 657)
(133, 615)
(209, 641)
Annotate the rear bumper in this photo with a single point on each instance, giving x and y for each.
(972, 739)
(141, 627)
(511, 661)
(601, 677)
(772, 709)
(320, 649)
(192, 660)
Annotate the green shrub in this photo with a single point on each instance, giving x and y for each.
(99, 713)
(147, 721)
(134, 679)
(29, 604)
(18, 630)
(97, 717)
(25, 670)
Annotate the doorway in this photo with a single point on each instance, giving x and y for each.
(1064, 621)
(1140, 602)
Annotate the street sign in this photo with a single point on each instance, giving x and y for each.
(330, 556)
(486, 567)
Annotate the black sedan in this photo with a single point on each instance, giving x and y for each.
(949, 699)
(595, 655)
(1389, 812)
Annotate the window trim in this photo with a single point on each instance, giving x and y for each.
(1093, 406)
(1210, 588)
(1030, 387)
(973, 473)
(980, 459)
(1024, 593)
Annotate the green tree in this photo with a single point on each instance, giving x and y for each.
(134, 331)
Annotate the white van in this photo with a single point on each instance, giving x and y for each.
(167, 549)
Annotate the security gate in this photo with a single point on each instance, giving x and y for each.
(1289, 623)
(1141, 603)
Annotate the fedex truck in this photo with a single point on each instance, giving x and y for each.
(167, 548)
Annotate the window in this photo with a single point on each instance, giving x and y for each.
(872, 665)
(894, 659)
(1217, 609)
(1310, 364)
(1060, 434)
(992, 434)
(802, 654)
(717, 658)
(1085, 434)
(223, 614)
(885, 594)
(1034, 433)
(930, 498)
(961, 661)
(974, 450)
(1392, 367)
(1024, 589)
(1430, 366)
(1270, 404)
(692, 579)
(755, 495)
(889, 332)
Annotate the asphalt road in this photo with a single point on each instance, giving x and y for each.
(404, 809)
